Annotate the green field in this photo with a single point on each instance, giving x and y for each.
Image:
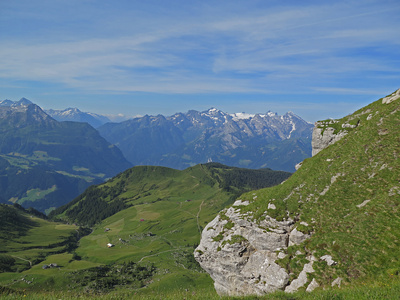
(28, 239)
(156, 225)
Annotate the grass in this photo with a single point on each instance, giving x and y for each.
(326, 192)
(377, 290)
(36, 194)
(168, 210)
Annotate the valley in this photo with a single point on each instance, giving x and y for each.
(159, 227)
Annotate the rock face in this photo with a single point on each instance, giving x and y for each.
(323, 137)
(391, 97)
(241, 255)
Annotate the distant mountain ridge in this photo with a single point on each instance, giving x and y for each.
(74, 114)
(241, 140)
(264, 140)
(46, 163)
(21, 102)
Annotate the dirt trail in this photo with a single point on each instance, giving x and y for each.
(198, 214)
(30, 263)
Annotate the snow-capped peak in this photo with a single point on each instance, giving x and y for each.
(24, 102)
(70, 111)
(6, 102)
(213, 112)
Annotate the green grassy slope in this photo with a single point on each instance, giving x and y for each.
(26, 240)
(349, 194)
(156, 217)
(148, 185)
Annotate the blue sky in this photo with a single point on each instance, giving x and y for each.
(319, 59)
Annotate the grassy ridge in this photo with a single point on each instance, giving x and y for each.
(147, 184)
(349, 196)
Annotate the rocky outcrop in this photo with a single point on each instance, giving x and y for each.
(392, 97)
(301, 280)
(322, 137)
(240, 255)
(246, 255)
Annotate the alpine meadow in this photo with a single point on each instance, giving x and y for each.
(199, 150)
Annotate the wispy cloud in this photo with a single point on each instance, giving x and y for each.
(201, 47)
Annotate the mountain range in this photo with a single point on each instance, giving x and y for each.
(185, 139)
(75, 115)
(46, 163)
(49, 157)
(264, 140)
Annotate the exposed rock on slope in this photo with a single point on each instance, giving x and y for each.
(333, 222)
(241, 255)
(323, 137)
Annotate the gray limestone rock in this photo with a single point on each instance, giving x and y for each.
(312, 286)
(242, 259)
(301, 280)
(328, 260)
(394, 96)
(242, 262)
(337, 281)
(323, 137)
(297, 237)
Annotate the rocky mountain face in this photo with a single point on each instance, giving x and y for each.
(333, 222)
(242, 140)
(75, 115)
(46, 163)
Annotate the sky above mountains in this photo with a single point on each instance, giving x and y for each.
(318, 59)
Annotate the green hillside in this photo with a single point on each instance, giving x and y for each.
(349, 195)
(153, 217)
(143, 185)
(26, 238)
